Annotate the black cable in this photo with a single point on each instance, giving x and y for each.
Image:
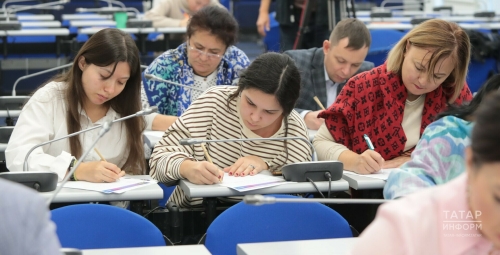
(309, 179)
(329, 176)
(154, 209)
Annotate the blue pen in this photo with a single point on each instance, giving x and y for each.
(368, 142)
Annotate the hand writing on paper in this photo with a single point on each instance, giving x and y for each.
(201, 172)
(369, 162)
(98, 171)
(184, 21)
(249, 165)
(397, 162)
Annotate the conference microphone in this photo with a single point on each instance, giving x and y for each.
(105, 128)
(44, 181)
(137, 114)
(155, 78)
(261, 200)
(36, 74)
(296, 172)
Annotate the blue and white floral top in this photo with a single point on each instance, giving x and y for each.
(437, 159)
(173, 65)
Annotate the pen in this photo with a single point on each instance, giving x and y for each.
(100, 155)
(208, 156)
(319, 103)
(368, 142)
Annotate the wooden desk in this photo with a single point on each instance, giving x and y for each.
(337, 246)
(160, 250)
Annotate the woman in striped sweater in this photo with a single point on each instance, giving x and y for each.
(260, 106)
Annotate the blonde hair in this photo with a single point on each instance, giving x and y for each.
(445, 39)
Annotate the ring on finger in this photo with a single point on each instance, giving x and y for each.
(252, 166)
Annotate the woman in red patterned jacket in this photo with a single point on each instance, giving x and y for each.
(394, 102)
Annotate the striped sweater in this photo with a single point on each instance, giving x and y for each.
(210, 117)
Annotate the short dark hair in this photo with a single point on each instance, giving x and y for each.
(485, 140)
(466, 110)
(217, 21)
(357, 32)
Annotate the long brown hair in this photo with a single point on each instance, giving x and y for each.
(107, 47)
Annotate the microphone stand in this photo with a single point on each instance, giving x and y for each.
(105, 128)
(139, 113)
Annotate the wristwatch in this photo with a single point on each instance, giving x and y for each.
(71, 165)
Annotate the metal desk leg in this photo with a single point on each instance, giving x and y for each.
(58, 46)
(4, 40)
(166, 38)
(136, 206)
(142, 42)
(211, 209)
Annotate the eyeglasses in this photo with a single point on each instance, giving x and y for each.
(198, 52)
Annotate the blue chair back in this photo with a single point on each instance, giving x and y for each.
(382, 42)
(96, 226)
(244, 223)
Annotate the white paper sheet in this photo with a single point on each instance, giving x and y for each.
(120, 186)
(382, 174)
(252, 182)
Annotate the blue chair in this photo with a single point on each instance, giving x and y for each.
(244, 223)
(97, 226)
(382, 42)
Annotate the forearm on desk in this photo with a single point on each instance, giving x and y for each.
(325, 145)
(165, 166)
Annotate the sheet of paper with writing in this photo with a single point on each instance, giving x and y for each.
(382, 174)
(252, 182)
(120, 186)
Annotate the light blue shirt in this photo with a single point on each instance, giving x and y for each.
(331, 90)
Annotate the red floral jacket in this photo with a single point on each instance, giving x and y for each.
(373, 103)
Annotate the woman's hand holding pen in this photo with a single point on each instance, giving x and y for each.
(98, 171)
(200, 172)
(369, 162)
(249, 165)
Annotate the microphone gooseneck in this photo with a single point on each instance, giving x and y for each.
(105, 128)
(155, 78)
(191, 141)
(139, 113)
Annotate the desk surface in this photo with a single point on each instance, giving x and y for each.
(360, 182)
(84, 16)
(146, 30)
(337, 246)
(37, 24)
(91, 23)
(31, 17)
(67, 195)
(161, 250)
(155, 136)
(33, 32)
(194, 190)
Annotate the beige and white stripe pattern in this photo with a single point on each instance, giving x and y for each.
(209, 117)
